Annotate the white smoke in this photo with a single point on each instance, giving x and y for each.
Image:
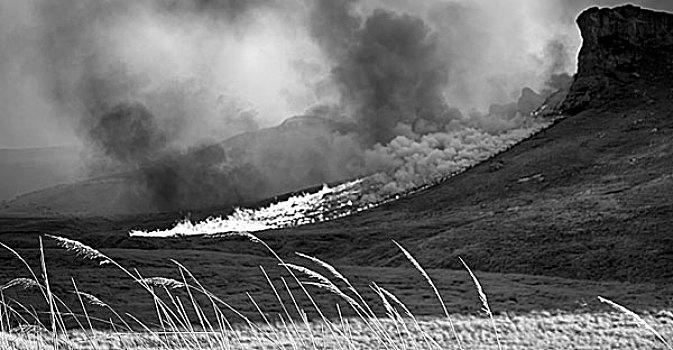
(405, 164)
(203, 71)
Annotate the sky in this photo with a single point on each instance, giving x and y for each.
(29, 118)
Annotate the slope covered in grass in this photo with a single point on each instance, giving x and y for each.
(581, 209)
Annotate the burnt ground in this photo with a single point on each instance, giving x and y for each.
(581, 209)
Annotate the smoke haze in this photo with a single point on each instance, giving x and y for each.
(141, 84)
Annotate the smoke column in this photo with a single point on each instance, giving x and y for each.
(349, 87)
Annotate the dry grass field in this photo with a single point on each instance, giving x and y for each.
(562, 241)
(528, 331)
(315, 306)
(598, 224)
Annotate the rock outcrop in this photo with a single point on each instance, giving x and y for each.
(626, 50)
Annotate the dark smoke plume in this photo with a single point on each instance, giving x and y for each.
(128, 133)
(153, 88)
(392, 75)
(387, 67)
(133, 79)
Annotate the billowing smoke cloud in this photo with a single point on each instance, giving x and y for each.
(430, 89)
(399, 87)
(427, 66)
(388, 71)
(176, 58)
(142, 83)
(127, 133)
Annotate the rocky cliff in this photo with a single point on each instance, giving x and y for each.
(626, 51)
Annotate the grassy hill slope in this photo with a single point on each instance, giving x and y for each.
(587, 200)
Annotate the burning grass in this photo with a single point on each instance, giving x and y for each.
(190, 316)
(405, 166)
(326, 204)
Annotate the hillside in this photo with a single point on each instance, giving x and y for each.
(588, 198)
(586, 202)
(25, 170)
(238, 171)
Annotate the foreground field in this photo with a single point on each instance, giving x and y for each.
(231, 275)
(540, 330)
(307, 306)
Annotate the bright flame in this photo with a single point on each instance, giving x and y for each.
(428, 163)
(326, 204)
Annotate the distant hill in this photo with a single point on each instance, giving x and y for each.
(30, 169)
(241, 170)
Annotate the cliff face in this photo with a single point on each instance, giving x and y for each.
(626, 50)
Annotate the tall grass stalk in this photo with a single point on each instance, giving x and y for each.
(365, 313)
(183, 305)
(287, 313)
(434, 288)
(81, 302)
(254, 239)
(300, 313)
(636, 318)
(50, 296)
(484, 301)
(30, 269)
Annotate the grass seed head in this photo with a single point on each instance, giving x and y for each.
(162, 282)
(636, 318)
(24, 283)
(81, 250)
(243, 234)
(92, 299)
